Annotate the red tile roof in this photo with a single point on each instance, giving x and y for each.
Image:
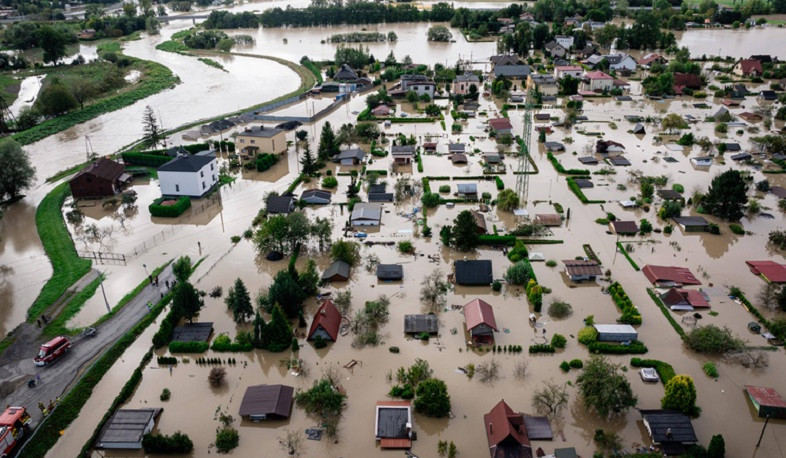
(500, 124)
(479, 312)
(770, 270)
(687, 80)
(578, 267)
(685, 296)
(598, 75)
(649, 58)
(329, 318)
(502, 423)
(395, 443)
(749, 65)
(765, 396)
(679, 275)
(567, 68)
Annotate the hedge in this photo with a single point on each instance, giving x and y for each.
(664, 369)
(580, 194)
(294, 184)
(635, 348)
(666, 312)
(187, 347)
(562, 169)
(169, 211)
(265, 160)
(541, 348)
(48, 432)
(630, 314)
(176, 444)
(145, 160)
(627, 256)
(500, 184)
(490, 239)
(231, 346)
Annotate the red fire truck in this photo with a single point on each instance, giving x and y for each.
(52, 350)
(13, 426)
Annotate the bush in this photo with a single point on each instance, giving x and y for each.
(565, 366)
(165, 394)
(187, 347)
(496, 286)
(736, 229)
(169, 211)
(165, 360)
(576, 363)
(710, 369)
(500, 184)
(329, 182)
(541, 348)
(319, 342)
(405, 246)
(430, 200)
(394, 350)
(559, 341)
(519, 273)
(630, 314)
(445, 188)
(588, 335)
(535, 294)
(518, 252)
(176, 444)
(712, 339)
(559, 309)
(265, 160)
(551, 263)
(227, 439)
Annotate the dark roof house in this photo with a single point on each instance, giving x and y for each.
(280, 205)
(692, 223)
(506, 433)
(126, 427)
(316, 196)
(512, 71)
(326, 322)
(337, 271)
(416, 324)
(580, 270)
(102, 178)
(345, 73)
(624, 227)
(670, 429)
(473, 273)
(390, 271)
(267, 402)
(392, 424)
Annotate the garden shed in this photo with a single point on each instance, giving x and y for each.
(767, 401)
(126, 427)
(616, 333)
(267, 402)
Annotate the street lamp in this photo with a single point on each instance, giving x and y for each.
(145, 266)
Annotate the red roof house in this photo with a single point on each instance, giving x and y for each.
(326, 322)
(670, 275)
(747, 67)
(684, 299)
(501, 125)
(506, 433)
(686, 80)
(479, 316)
(769, 270)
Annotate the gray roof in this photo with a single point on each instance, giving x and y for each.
(468, 78)
(415, 324)
(689, 221)
(186, 164)
(554, 146)
(339, 268)
(193, 332)
(583, 183)
(467, 188)
(259, 131)
(538, 428)
(669, 194)
(127, 426)
(316, 195)
(354, 153)
(732, 147)
(543, 79)
(345, 74)
(615, 329)
(473, 272)
(456, 147)
(619, 161)
(392, 422)
(639, 129)
(377, 188)
(588, 160)
(659, 422)
(366, 210)
(269, 400)
(402, 150)
(280, 204)
(390, 271)
(740, 157)
(511, 70)
(380, 197)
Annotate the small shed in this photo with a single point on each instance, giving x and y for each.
(366, 214)
(581, 270)
(538, 428)
(337, 271)
(280, 205)
(638, 129)
(669, 194)
(692, 223)
(316, 196)
(102, 178)
(616, 333)
(417, 324)
(125, 428)
(193, 332)
(326, 323)
(393, 424)
(479, 318)
(670, 429)
(583, 183)
(624, 227)
(467, 190)
(767, 401)
(390, 271)
(548, 219)
(458, 158)
(473, 273)
(619, 161)
(266, 402)
(588, 160)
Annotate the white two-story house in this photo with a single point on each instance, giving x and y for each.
(191, 175)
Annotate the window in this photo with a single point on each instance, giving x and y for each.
(242, 140)
(214, 178)
(211, 166)
(203, 185)
(202, 173)
(253, 141)
(177, 188)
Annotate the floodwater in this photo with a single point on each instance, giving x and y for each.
(28, 92)
(735, 43)
(149, 242)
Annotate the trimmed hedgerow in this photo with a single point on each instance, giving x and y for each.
(664, 369)
(187, 347)
(169, 211)
(630, 314)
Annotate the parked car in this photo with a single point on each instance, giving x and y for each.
(649, 374)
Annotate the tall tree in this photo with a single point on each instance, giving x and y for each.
(726, 196)
(150, 126)
(308, 162)
(279, 332)
(55, 99)
(187, 301)
(550, 398)
(604, 389)
(53, 42)
(322, 230)
(464, 233)
(286, 291)
(327, 143)
(309, 280)
(680, 394)
(260, 333)
(432, 399)
(239, 301)
(182, 269)
(16, 173)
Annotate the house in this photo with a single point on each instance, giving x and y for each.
(638, 129)
(280, 205)
(770, 271)
(393, 424)
(768, 95)
(616, 332)
(650, 59)
(420, 84)
(619, 161)
(750, 117)
(479, 318)
(337, 271)
(568, 70)
(504, 59)
(402, 154)
(572, 21)
(731, 147)
(473, 273)
(741, 157)
(102, 178)
(190, 175)
(597, 81)
(366, 214)
(492, 158)
(418, 324)
(548, 219)
(541, 117)
(480, 221)
(555, 49)
(353, 156)
(624, 227)
(378, 193)
(390, 271)
(454, 148)
(621, 62)
(381, 111)
(684, 299)
(458, 158)
(766, 401)
(670, 429)
(588, 160)
(686, 80)
(747, 67)
(546, 84)
(259, 139)
(467, 190)
(554, 146)
(501, 125)
(506, 433)
(566, 41)
(669, 194)
(316, 196)
(430, 147)
(462, 83)
(701, 161)
(126, 427)
(326, 322)
(345, 73)
(518, 72)
(86, 34)
(586, 52)
(267, 402)
(669, 275)
(579, 270)
(609, 147)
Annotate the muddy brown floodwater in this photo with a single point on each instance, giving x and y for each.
(206, 229)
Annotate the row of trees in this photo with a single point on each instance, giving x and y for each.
(285, 232)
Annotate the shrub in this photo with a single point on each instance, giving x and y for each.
(736, 229)
(236, 239)
(164, 360)
(500, 184)
(519, 273)
(227, 439)
(551, 263)
(588, 335)
(496, 286)
(680, 395)
(535, 294)
(424, 335)
(712, 339)
(176, 444)
(541, 348)
(678, 188)
(169, 211)
(518, 252)
(405, 246)
(216, 376)
(559, 309)
(165, 394)
(329, 182)
(319, 342)
(187, 347)
(445, 188)
(558, 341)
(565, 366)
(264, 161)
(576, 363)
(710, 369)
(394, 350)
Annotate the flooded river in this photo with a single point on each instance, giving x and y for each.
(206, 229)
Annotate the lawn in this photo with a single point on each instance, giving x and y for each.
(9, 89)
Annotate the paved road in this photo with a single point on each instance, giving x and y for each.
(57, 377)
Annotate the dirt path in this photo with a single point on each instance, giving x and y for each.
(17, 365)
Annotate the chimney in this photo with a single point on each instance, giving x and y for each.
(668, 433)
(491, 429)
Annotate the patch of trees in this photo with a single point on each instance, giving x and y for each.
(16, 174)
(439, 33)
(726, 196)
(367, 321)
(228, 20)
(208, 39)
(285, 232)
(322, 12)
(107, 26)
(324, 402)
(462, 234)
(176, 444)
(604, 389)
(290, 289)
(275, 336)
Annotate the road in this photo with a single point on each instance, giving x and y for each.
(60, 375)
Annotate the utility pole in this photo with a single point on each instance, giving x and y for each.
(101, 282)
(762, 431)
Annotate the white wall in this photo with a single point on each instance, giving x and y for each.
(192, 184)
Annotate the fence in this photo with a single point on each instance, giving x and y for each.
(104, 257)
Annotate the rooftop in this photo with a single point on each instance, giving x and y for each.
(479, 312)
(390, 271)
(577, 267)
(189, 163)
(259, 131)
(473, 272)
(126, 427)
(193, 332)
(267, 400)
(328, 317)
(678, 275)
(415, 324)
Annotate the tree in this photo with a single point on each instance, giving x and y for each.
(673, 121)
(298, 229)
(432, 398)
(343, 301)
(324, 402)
(433, 289)
(186, 301)
(768, 295)
(464, 232)
(717, 447)
(680, 395)
(182, 269)
(347, 251)
(150, 126)
(53, 43)
(327, 143)
(82, 89)
(539, 36)
(712, 339)
(519, 273)
(55, 99)
(273, 233)
(439, 33)
(309, 280)
(216, 376)
(550, 398)
(507, 200)
(278, 331)
(603, 388)
(260, 332)
(301, 135)
(726, 196)
(322, 230)
(16, 174)
(286, 291)
(239, 301)
(308, 162)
